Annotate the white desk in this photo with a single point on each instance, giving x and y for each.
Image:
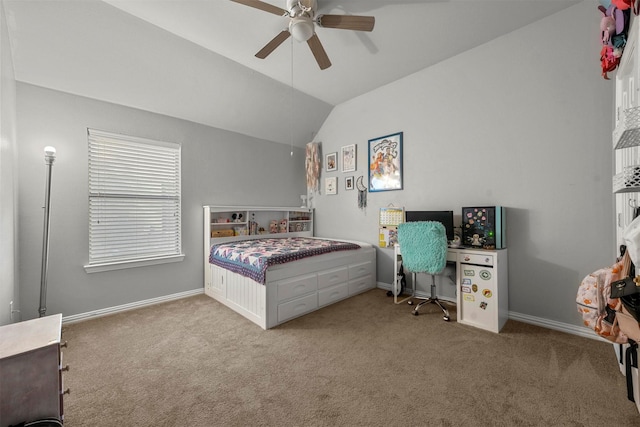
(481, 286)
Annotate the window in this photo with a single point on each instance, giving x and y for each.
(134, 202)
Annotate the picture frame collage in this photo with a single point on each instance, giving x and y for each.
(347, 160)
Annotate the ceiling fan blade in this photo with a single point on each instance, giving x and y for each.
(347, 22)
(263, 6)
(318, 51)
(273, 44)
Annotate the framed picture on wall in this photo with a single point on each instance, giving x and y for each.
(331, 185)
(348, 183)
(349, 158)
(331, 162)
(385, 163)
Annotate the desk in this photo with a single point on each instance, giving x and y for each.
(481, 286)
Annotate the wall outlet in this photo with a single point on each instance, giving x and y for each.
(11, 311)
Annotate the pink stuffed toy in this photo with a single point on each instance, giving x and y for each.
(608, 28)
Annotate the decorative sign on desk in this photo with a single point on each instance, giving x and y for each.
(388, 221)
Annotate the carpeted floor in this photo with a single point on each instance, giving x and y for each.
(361, 362)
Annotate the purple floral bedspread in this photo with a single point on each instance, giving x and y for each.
(251, 258)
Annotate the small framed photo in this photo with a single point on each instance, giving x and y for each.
(349, 158)
(331, 162)
(331, 185)
(385, 163)
(348, 183)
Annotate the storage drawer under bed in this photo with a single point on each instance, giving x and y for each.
(296, 286)
(361, 269)
(297, 307)
(333, 277)
(334, 294)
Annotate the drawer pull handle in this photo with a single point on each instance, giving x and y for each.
(67, 391)
(63, 345)
(65, 368)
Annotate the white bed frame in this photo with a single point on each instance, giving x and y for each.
(292, 289)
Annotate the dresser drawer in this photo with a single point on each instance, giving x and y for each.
(333, 277)
(297, 286)
(333, 294)
(476, 258)
(297, 307)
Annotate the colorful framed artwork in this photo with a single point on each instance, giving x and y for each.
(331, 162)
(348, 183)
(349, 158)
(331, 185)
(385, 163)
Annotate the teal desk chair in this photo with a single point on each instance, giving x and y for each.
(424, 250)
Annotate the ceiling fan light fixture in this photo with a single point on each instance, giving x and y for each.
(301, 28)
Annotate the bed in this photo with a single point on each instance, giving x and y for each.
(271, 279)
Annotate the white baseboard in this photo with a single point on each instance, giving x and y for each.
(525, 318)
(130, 306)
(582, 331)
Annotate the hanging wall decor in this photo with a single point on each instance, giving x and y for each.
(331, 162)
(331, 185)
(348, 183)
(312, 164)
(362, 193)
(349, 158)
(385, 163)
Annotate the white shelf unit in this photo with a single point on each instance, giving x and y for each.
(237, 223)
(626, 145)
(626, 135)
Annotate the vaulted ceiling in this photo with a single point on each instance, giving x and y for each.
(194, 59)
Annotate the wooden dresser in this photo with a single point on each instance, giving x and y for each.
(31, 371)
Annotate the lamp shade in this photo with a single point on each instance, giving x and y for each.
(49, 154)
(301, 28)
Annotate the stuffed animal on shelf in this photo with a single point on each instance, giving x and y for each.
(273, 226)
(236, 217)
(282, 228)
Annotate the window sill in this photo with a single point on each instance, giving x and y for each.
(119, 265)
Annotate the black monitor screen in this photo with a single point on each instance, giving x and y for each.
(445, 217)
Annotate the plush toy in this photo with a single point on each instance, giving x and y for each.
(283, 226)
(236, 217)
(608, 28)
(273, 226)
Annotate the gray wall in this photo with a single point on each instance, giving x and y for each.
(523, 122)
(218, 167)
(8, 183)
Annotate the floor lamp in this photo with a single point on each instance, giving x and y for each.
(49, 158)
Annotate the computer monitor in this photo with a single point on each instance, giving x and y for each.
(444, 217)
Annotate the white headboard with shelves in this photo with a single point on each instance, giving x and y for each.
(232, 223)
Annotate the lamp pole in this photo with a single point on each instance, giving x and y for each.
(49, 158)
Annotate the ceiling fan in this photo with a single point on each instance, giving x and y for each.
(302, 15)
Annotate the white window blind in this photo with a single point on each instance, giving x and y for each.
(134, 199)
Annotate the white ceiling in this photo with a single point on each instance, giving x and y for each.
(194, 59)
